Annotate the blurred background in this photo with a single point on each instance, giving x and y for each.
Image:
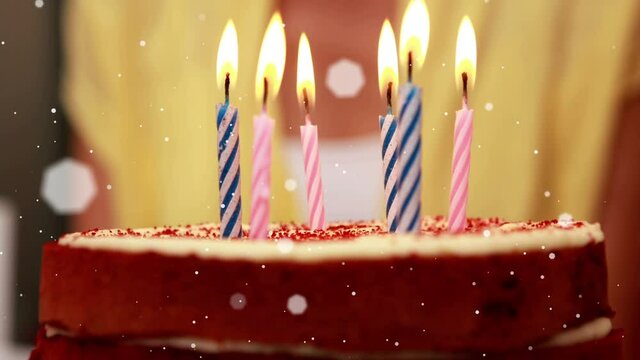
(107, 120)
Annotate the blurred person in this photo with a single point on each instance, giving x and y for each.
(553, 80)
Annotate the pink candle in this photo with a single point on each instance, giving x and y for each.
(268, 77)
(461, 163)
(315, 200)
(261, 176)
(460, 169)
(306, 90)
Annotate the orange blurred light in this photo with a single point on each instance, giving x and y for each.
(414, 33)
(272, 58)
(305, 79)
(227, 62)
(387, 59)
(466, 53)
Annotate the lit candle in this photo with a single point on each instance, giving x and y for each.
(387, 78)
(268, 78)
(465, 78)
(306, 90)
(414, 40)
(228, 129)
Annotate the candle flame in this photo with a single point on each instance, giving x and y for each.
(272, 58)
(414, 33)
(306, 81)
(466, 53)
(387, 59)
(227, 62)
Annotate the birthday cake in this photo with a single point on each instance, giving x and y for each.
(352, 291)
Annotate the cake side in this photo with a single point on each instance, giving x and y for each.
(434, 292)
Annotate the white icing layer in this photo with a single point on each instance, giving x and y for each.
(596, 329)
(507, 238)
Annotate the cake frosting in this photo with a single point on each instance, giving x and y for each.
(340, 241)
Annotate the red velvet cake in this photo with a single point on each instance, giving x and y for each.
(353, 291)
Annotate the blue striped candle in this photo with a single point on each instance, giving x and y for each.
(410, 156)
(229, 171)
(389, 137)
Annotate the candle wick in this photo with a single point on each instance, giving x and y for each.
(410, 65)
(465, 98)
(389, 87)
(227, 81)
(265, 94)
(305, 100)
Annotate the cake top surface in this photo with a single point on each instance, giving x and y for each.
(431, 227)
(344, 240)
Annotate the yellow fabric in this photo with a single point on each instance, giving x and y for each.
(124, 99)
(553, 71)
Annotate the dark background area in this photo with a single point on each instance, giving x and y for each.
(31, 137)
